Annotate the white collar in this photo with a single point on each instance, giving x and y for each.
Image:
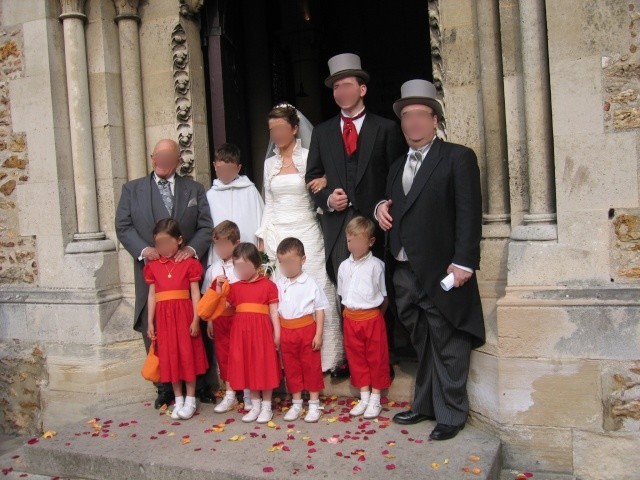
(169, 179)
(362, 260)
(354, 115)
(301, 279)
(423, 149)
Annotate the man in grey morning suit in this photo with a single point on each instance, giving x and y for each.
(433, 218)
(144, 201)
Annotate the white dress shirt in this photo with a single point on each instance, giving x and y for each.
(361, 282)
(299, 297)
(217, 268)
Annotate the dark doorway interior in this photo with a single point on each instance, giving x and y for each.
(259, 53)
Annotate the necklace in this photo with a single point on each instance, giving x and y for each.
(169, 271)
(287, 165)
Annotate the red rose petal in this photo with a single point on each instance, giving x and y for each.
(267, 469)
(310, 467)
(357, 469)
(310, 443)
(391, 466)
(361, 458)
(31, 441)
(312, 450)
(404, 432)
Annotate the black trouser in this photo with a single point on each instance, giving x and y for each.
(206, 381)
(443, 352)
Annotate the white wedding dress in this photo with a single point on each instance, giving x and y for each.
(290, 212)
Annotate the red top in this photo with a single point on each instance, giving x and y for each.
(262, 290)
(166, 274)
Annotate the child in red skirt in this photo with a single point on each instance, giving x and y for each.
(255, 332)
(225, 237)
(173, 295)
(301, 309)
(363, 293)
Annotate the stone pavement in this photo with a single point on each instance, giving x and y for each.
(138, 442)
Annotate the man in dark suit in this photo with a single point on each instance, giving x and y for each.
(354, 150)
(433, 216)
(143, 202)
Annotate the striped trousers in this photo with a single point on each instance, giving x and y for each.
(443, 352)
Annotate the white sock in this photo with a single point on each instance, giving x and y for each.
(364, 397)
(179, 400)
(297, 402)
(246, 393)
(314, 402)
(190, 400)
(266, 403)
(255, 403)
(230, 394)
(375, 398)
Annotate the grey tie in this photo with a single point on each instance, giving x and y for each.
(165, 193)
(410, 170)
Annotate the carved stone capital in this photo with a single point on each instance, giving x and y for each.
(190, 8)
(72, 9)
(126, 9)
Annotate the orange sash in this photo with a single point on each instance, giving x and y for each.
(252, 308)
(361, 315)
(293, 323)
(172, 295)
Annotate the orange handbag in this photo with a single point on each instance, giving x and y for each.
(212, 303)
(151, 367)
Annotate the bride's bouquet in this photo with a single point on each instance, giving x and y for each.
(268, 266)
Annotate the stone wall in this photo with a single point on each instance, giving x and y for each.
(17, 252)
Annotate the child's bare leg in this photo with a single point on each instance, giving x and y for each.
(191, 389)
(296, 396)
(376, 391)
(255, 394)
(177, 389)
(266, 395)
(313, 396)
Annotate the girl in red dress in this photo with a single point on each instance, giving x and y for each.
(173, 295)
(255, 332)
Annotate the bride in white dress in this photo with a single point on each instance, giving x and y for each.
(290, 212)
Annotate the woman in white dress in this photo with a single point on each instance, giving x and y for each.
(290, 212)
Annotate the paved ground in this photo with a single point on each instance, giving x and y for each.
(138, 442)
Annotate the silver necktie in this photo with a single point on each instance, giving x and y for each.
(410, 170)
(165, 193)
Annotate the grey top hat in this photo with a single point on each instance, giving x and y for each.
(345, 65)
(418, 92)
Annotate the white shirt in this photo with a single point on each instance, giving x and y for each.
(361, 282)
(300, 297)
(356, 123)
(216, 269)
(171, 180)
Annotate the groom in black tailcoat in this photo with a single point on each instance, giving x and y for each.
(354, 150)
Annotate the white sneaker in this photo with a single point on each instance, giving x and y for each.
(247, 403)
(226, 404)
(358, 409)
(266, 414)
(252, 415)
(176, 408)
(372, 411)
(293, 413)
(187, 411)
(313, 414)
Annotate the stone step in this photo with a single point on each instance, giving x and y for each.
(401, 389)
(136, 442)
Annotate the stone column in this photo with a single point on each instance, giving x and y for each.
(497, 219)
(89, 238)
(537, 103)
(135, 143)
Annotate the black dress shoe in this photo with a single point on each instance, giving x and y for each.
(205, 395)
(392, 372)
(445, 432)
(164, 398)
(341, 371)
(410, 418)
